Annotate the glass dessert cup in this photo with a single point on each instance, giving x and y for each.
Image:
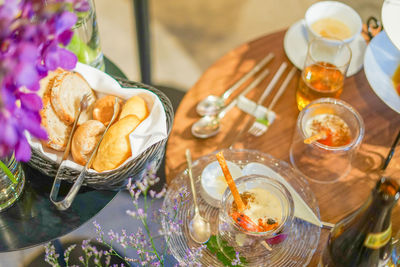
(247, 243)
(319, 162)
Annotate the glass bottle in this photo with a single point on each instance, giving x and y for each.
(363, 238)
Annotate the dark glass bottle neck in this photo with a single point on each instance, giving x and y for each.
(375, 214)
(384, 196)
(387, 189)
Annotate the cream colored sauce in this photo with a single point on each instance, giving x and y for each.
(331, 28)
(221, 184)
(265, 205)
(333, 122)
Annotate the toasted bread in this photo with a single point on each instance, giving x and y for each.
(85, 140)
(47, 82)
(115, 147)
(57, 130)
(104, 108)
(135, 106)
(66, 94)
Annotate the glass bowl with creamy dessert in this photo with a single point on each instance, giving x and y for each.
(327, 135)
(264, 222)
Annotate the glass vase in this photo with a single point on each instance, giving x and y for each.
(85, 43)
(9, 191)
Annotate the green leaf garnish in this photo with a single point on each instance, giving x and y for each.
(263, 121)
(224, 253)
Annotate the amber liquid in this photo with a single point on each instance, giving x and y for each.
(319, 80)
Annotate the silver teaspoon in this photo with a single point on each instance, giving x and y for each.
(210, 125)
(199, 227)
(213, 104)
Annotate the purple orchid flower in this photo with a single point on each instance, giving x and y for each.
(30, 42)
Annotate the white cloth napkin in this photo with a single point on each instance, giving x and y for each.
(150, 131)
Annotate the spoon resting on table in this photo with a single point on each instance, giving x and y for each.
(210, 125)
(213, 104)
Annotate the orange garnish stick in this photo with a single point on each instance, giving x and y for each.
(316, 137)
(230, 182)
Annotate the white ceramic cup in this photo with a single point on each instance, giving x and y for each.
(334, 10)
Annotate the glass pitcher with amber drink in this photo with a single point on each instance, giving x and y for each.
(324, 71)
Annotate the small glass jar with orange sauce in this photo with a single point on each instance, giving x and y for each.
(328, 133)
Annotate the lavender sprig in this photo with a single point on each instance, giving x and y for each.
(50, 255)
(192, 256)
(237, 260)
(142, 241)
(89, 251)
(67, 252)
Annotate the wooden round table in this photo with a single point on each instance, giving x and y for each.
(335, 200)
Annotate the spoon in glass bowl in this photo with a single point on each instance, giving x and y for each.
(212, 104)
(199, 227)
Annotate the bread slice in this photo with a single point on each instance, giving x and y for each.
(135, 106)
(47, 82)
(115, 147)
(66, 94)
(85, 140)
(57, 131)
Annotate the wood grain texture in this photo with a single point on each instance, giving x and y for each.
(335, 200)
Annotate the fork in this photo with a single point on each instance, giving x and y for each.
(252, 109)
(260, 126)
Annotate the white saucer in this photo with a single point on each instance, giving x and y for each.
(295, 45)
(213, 183)
(391, 20)
(380, 62)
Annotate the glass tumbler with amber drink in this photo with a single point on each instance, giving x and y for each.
(264, 222)
(324, 71)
